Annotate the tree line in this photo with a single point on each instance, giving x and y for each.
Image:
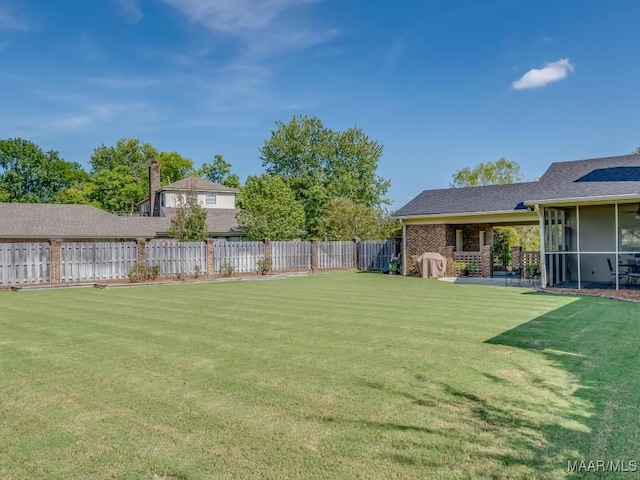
(317, 182)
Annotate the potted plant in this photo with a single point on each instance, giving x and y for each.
(531, 270)
(393, 268)
(472, 267)
(461, 269)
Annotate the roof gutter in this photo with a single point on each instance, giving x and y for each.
(462, 214)
(582, 200)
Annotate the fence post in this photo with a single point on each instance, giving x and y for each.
(486, 261)
(141, 253)
(516, 258)
(210, 258)
(55, 261)
(356, 248)
(266, 242)
(314, 256)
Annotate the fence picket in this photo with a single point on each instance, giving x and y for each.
(294, 255)
(375, 254)
(95, 261)
(24, 263)
(176, 258)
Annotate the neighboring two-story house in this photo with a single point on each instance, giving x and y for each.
(218, 200)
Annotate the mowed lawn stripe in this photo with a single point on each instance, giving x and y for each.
(330, 376)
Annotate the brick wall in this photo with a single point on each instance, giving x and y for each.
(470, 235)
(428, 238)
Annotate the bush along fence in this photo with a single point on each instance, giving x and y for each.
(58, 262)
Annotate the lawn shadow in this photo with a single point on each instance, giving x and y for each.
(594, 341)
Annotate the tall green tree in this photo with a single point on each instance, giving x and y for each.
(320, 164)
(173, 167)
(219, 171)
(116, 190)
(490, 173)
(189, 222)
(28, 174)
(343, 219)
(269, 209)
(500, 172)
(127, 152)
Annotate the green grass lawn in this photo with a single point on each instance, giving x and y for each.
(347, 375)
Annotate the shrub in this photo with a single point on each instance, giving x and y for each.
(264, 265)
(227, 270)
(143, 273)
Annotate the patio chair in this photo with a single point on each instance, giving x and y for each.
(620, 275)
(633, 275)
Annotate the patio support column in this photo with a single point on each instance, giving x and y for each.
(578, 244)
(617, 247)
(543, 256)
(405, 258)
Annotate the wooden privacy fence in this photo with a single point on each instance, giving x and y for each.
(76, 262)
(89, 262)
(290, 256)
(24, 263)
(336, 255)
(237, 257)
(176, 258)
(375, 254)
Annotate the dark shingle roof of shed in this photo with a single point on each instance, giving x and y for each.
(219, 220)
(41, 220)
(600, 177)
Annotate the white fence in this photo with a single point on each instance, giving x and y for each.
(290, 256)
(237, 257)
(24, 263)
(375, 254)
(88, 262)
(334, 255)
(174, 258)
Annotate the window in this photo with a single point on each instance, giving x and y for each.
(211, 199)
(458, 240)
(162, 200)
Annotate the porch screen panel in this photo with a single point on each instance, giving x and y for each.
(598, 229)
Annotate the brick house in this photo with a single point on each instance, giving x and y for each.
(588, 212)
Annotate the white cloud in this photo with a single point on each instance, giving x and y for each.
(130, 11)
(93, 114)
(552, 72)
(233, 15)
(119, 81)
(10, 21)
(260, 24)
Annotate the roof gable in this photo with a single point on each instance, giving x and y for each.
(581, 179)
(198, 184)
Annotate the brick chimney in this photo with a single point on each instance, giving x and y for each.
(154, 186)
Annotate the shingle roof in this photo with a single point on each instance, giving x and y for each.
(198, 184)
(582, 179)
(219, 221)
(39, 220)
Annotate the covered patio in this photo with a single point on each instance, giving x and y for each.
(588, 213)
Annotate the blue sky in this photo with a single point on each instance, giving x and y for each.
(442, 84)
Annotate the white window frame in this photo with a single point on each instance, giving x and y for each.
(208, 195)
